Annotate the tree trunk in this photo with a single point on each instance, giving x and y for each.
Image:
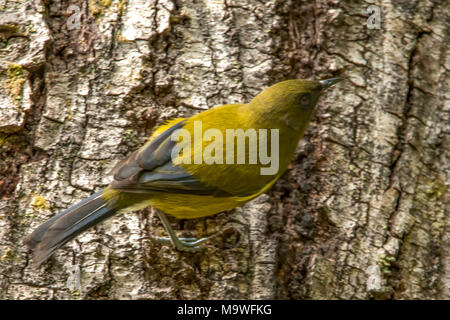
(361, 213)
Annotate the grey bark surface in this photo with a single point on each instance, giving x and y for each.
(363, 211)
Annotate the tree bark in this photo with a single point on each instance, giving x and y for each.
(361, 213)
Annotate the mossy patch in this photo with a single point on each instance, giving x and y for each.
(385, 263)
(129, 135)
(15, 81)
(7, 255)
(98, 7)
(40, 203)
(120, 6)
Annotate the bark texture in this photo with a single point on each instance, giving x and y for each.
(363, 211)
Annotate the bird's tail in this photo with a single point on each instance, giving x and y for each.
(67, 224)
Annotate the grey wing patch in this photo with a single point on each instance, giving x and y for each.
(150, 169)
(126, 168)
(156, 153)
(159, 151)
(173, 179)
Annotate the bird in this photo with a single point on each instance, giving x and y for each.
(191, 168)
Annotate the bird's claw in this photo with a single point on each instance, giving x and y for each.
(183, 244)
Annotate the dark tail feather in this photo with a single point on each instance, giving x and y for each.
(66, 225)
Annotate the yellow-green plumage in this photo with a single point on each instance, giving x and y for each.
(149, 176)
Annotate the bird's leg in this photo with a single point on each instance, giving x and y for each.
(183, 244)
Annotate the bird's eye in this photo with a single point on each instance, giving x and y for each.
(304, 99)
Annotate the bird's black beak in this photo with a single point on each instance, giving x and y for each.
(329, 82)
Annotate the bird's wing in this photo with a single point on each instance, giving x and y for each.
(150, 169)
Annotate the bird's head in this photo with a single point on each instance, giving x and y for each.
(291, 102)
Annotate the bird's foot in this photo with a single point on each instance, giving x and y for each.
(183, 244)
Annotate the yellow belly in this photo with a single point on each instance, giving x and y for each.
(192, 206)
(182, 206)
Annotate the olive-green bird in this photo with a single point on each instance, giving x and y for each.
(172, 176)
